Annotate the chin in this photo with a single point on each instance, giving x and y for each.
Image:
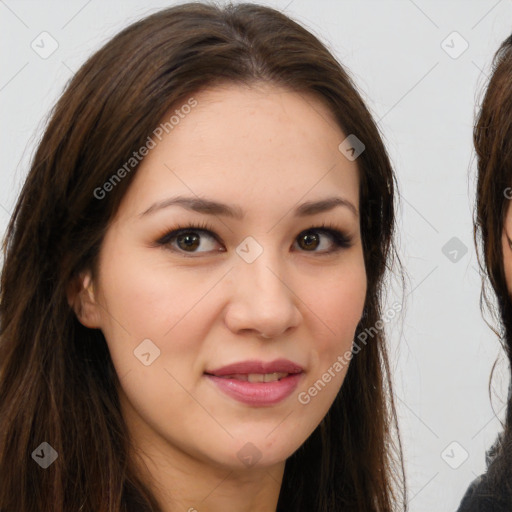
(256, 452)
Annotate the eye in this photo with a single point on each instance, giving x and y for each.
(312, 238)
(188, 239)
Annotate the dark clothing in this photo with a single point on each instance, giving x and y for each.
(479, 498)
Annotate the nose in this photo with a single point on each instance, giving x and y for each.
(263, 300)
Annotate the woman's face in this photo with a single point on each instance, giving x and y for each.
(177, 309)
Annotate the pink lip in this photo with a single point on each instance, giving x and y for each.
(246, 367)
(258, 393)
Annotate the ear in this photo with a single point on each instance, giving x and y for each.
(82, 299)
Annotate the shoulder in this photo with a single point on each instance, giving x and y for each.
(480, 498)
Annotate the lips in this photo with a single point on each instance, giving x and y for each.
(257, 377)
(257, 383)
(257, 367)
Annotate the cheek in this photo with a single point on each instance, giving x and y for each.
(339, 306)
(340, 303)
(152, 308)
(150, 298)
(507, 260)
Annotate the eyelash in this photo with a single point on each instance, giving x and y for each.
(340, 239)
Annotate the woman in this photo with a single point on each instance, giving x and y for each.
(493, 231)
(202, 236)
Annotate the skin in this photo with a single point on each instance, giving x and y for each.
(506, 242)
(266, 150)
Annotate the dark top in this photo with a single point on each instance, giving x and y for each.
(479, 497)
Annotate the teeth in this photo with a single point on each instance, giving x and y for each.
(257, 377)
(272, 377)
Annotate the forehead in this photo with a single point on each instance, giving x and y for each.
(250, 143)
(266, 113)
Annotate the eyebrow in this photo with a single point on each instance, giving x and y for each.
(209, 207)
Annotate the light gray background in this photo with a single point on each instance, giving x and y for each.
(424, 100)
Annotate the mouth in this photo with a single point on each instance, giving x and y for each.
(254, 377)
(257, 383)
(279, 367)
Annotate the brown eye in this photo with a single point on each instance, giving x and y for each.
(188, 241)
(311, 239)
(191, 240)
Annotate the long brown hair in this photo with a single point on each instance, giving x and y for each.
(57, 381)
(492, 137)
